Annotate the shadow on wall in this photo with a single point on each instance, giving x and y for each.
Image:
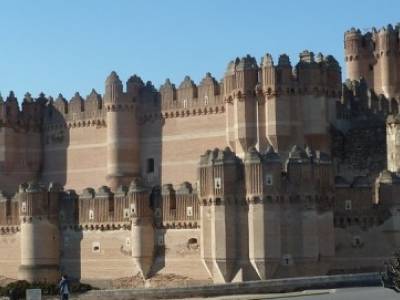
(55, 141)
(159, 243)
(151, 122)
(71, 235)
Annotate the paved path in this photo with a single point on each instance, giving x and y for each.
(364, 293)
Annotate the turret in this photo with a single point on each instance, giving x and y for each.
(219, 189)
(262, 184)
(186, 93)
(353, 46)
(208, 89)
(10, 108)
(168, 95)
(308, 72)
(134, 85)
(142, 227)
(268, 74)
(40, 234)
(387, 41)
(333, 79)
(122, 132)
(240, 82)
(285, 73)
(279, 123)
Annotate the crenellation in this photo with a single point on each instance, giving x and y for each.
(93, 101)
(374, 57)
(76, 104)
(134, 86)
(168, 95)
(61, 104)
(302, 176)
(186, 93)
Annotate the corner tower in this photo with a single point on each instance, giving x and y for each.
(388, 53)
(40, 235)
(122, 132)
(359, 55)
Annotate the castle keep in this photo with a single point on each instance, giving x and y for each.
(276, 170)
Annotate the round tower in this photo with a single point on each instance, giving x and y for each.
(142, 227)
(40, 250)
(353, 53)
(122, 133)
(388, 52)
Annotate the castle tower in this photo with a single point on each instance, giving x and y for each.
(40, 236)
(282, 111)
(386, 40)
(122, 131)
(358, 55)
(262, 177)
(393, 143)
(218, 185)
(142, 227)
(240, 83)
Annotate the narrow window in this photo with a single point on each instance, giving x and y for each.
(217, 183)
(206, 100)
(150, 165)
(23, 207)
(8, 208)
(189, 211)
(347, 205)
(185, 103)
(91, 214)
(268, 179)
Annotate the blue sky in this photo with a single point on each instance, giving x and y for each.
(72, 45)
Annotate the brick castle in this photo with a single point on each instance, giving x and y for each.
(274, 171)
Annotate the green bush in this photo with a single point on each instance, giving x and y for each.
(18, 288)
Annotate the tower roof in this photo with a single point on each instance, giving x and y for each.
(247, 63)
(113, 78)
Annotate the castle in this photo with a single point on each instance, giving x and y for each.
(274, 171)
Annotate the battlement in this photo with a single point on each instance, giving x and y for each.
(189, 95)
(223, 175)
(359, 101)
(374, 43)
(320, 75)
(373, 56)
